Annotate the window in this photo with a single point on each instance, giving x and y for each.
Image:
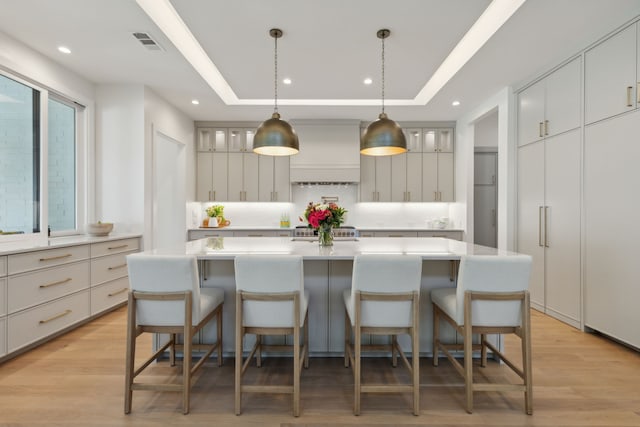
(19, 157)
(61, 136)
(36, 152)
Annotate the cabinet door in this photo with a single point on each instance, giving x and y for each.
(429, 177)
(414, 140)
(205, 139)
(611, 177)
(610, 69)
(367, 178)
(445, 177)
(445, 141)
(235, 185)
(530, 212)
(204, 178)
(399, 178)
(281, 179)
(531, 113)
(429, 141)
(484, 168)
(250, 176)
(562, 109)
(236, 140)
(414, 177)
(562, 205)
(383, 178)
(219, 175)
(265, 174)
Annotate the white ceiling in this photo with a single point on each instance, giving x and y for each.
(328, 48)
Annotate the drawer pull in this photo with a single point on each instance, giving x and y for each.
(117, 247)
(255, 235)
(57, 316)
(113, 294)
(115, 267)
(59, 282)
(395, 235)
(55, 257)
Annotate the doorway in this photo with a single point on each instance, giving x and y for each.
(485, 181)
(168, 215)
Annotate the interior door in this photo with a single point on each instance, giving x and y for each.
(485, 202)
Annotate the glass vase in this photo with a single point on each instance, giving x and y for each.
(325, 235)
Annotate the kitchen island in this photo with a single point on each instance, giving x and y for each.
(327, 273)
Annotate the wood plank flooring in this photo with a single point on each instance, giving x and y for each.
(78, 380)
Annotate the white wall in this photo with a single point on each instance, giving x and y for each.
(486, 131)
(119, 161)
(503, 101)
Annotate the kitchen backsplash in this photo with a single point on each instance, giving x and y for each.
(363, 215)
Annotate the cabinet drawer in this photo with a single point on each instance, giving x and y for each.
(20, 263)
(201, 234)
(29, 289)
(108, 268)
(109, 294)
(254, 233)
(395, 234)
(3, 296)
(114, 247)
(3, 336)
(455, 235)
(3, 266)
(28, 326)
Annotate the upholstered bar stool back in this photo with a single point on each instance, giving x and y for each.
(270, 300)
(491, 297)
(165, 298)
(384, 300)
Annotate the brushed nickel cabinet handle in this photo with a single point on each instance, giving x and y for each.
(113, 294)
(57, 316)
(52, 258)
(117, 247)
(629, 89)
(254, 235)
(58, 282)
(408, 196)
(540, 129)
(493, 217)
(276, 196)
(540, 226)
(115, 267)
(546, 226)
(214, 194)
(435, 196)
(546, 127)
(395, 235)
(209, 194)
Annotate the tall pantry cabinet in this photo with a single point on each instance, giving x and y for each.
(549, 159)
(611, 179)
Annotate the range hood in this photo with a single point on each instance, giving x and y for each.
(329, 152)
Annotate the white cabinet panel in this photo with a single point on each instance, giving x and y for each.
(429, 177)
(33, 288)
(281, 179)
(611, 177)
(383, 178)
(28, 326)
(562, 204)
(562, 107)
(531, 113)
(211, 182)
(3, 266)
(3, 296)
(108, 268)
(109, 294)
(235, 186)
(610, 76)
(367, 179)
(414, 177)
(399, 177)
(3, 336)
(19, 263)
(250, 178)
(485, 168)
(114, 247)
(530, 215)
(445, 177)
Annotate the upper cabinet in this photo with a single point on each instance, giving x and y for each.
(229, 171)
(550, 106)
(425, 173)
(612, 82)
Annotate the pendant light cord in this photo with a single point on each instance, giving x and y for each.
(275, 81)
(383, 75)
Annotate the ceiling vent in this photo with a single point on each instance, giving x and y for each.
(148, 42)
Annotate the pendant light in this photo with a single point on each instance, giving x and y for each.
(275, 137)
(384, 137)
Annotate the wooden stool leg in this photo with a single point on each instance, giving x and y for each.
(219, 326)
(238, 367)
(131, 353)
(436, 334)
(347, 337)
(526, 356)
(173, 339)
(483, 350)
(296, 369)
(468, 354)
(415, 366)
(394, 353)
(306, 341)
(186, 371)
(259, 351)
(356, 372)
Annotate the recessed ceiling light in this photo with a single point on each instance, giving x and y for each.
(64, 49)
(286, 81)
(195, 102)
(367, 81)
(455, 103)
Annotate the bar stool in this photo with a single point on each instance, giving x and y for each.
(165, 297)
(270, 300)
(491, 297)
(384, 300)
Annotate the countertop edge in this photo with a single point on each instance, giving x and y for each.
(11, 248)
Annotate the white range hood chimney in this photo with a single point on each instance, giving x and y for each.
(329, 151)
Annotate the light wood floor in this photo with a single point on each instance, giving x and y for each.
(77, 380)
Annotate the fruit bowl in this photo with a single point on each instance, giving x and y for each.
(100, 228)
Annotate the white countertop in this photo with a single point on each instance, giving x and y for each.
(276, 228)
(58, 242)
(431, 248)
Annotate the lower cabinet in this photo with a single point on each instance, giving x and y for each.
(47, 291)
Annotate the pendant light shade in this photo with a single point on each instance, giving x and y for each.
(275, 137)
(384, 137)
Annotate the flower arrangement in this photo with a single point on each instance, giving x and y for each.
(215, 211)
(318, 215)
